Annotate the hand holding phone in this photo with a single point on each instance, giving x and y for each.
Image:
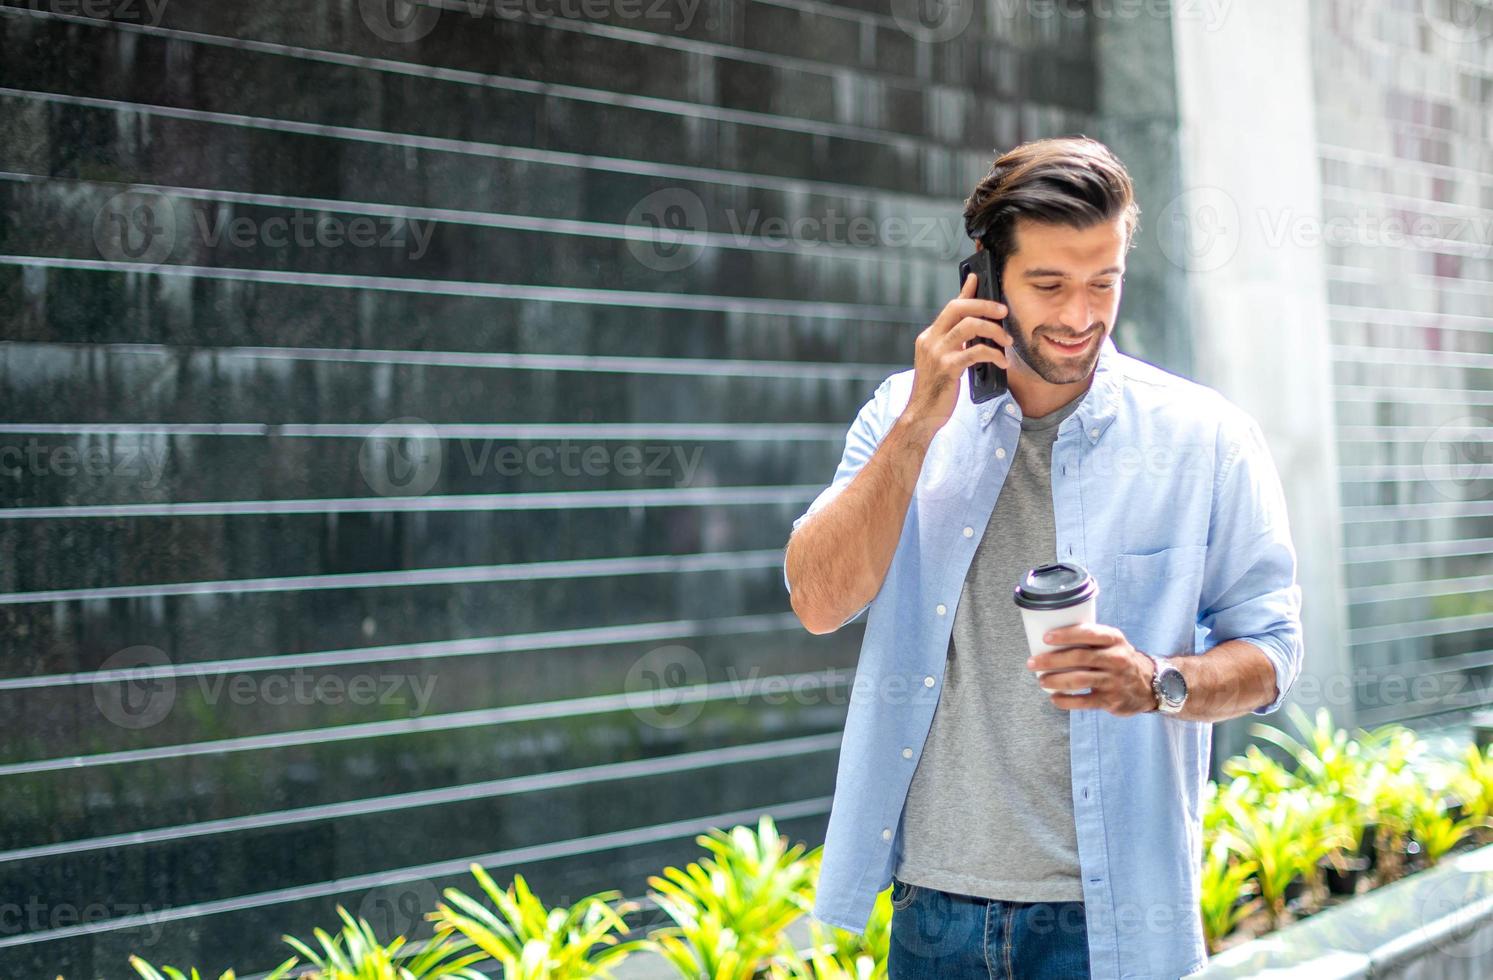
(986, 380)
(946, 350)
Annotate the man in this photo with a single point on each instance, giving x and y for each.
(1028, 833)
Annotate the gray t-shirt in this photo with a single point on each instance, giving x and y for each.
(990, 809)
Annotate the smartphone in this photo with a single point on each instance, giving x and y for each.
(986, 381)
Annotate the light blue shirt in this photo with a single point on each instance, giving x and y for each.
(1167, 494)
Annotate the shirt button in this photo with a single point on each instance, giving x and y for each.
(928, 681)
(942, 609)
(1000, 452)
(969, 532)
(907, 753)
(1010, 409)
(886, 833)
(1093, 433)
(984, 416)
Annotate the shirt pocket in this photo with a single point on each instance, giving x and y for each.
(1157, 597)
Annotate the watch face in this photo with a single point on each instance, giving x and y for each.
(1173, 685)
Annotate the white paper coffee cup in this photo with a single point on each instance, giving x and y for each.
(1052, 596)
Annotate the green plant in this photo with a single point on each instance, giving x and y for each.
(1474, 787)
(355, 953)
(1265, 776)
(1326, 757)
(537, 943)
(1283, 840)
(1225, 880)
(149, 972)
(730, 909)
(1432, 827)
(839, 954)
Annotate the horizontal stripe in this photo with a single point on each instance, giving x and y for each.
(450, 721)
(1379, 513)
(705, 368)
(917, 252)
(1398, 551)
(601, 431)
(499, 151)
(487, 789)
(435, 503)
(486, 290)
(524, 86)
(451, 575)
(1422, 589)
(1420, 628)
(438, 869)
(428, 650)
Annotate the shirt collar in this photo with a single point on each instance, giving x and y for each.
(1100, 403)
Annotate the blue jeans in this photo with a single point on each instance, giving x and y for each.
(941, 936)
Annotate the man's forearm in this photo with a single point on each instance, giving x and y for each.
(1228, 681)
(838, 558)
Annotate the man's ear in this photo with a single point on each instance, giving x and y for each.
(979, 245)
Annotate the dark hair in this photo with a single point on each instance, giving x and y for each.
(1066, 180)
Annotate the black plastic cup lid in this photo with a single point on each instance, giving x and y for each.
(1055, 586)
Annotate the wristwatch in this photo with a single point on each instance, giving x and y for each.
(1169, 686)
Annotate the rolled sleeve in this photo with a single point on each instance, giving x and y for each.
(1249, 584)
(865, 435)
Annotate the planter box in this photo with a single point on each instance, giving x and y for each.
(1431, 925)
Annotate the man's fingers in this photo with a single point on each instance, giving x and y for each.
(1074, 680)
(981, 354)
(969, 286)
(971, 327)
(1094, 634)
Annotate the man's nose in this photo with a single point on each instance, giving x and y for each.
(1077, 313)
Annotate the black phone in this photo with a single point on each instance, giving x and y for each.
(986, 381)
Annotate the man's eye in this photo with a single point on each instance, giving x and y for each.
(1104, 285)
(1047, 289)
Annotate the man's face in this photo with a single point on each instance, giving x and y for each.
(1063, 284)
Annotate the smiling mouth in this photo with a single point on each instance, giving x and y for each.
(1071, 348)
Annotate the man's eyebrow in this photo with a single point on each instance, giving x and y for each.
(1060, 274)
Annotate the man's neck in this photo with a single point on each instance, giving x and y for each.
(1038, 398)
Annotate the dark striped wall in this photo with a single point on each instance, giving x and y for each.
(502, 458)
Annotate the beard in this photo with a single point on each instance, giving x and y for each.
(1051, 367)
